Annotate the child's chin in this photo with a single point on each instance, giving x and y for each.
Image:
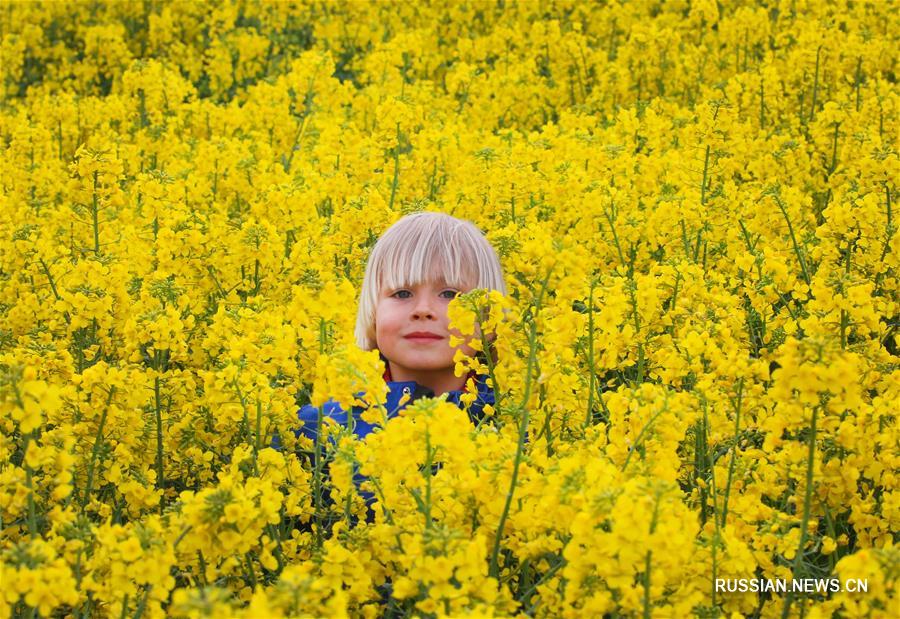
(467, 351)
(428, 365)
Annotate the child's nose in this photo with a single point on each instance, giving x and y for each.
(423, 309)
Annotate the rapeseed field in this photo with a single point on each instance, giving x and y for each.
(694, 203)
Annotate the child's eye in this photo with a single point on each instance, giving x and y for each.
(400, 294)
(452, 294)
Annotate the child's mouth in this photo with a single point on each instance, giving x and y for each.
(423, 337)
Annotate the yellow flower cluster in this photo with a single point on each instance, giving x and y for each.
(695, 369)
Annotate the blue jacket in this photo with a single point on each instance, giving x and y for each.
(309, 415)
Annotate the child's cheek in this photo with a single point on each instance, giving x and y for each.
(464, 346)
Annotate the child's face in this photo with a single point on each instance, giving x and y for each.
(403, 313)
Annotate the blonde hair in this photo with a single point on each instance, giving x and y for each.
(425, 247)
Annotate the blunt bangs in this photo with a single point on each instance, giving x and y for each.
(420, 248)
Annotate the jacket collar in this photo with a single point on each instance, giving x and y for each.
(398, 389)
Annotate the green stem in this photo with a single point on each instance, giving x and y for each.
(603, 406)
(524, 597)
(815, 92)
(845, 315)
(212, 272)
(799, 255)
(95, 452)
(647, 562)
(95, 208)
(202, 568)
(734, 446)
(710, 466)
(275, 534)
(700, 465)
(637, 329)
(145, 121)
(46, 270)
(32, 516)
(762, 104)
(889, 230)
(523, 428)
(429, 455)
(591, 371)
(672, 307)
(489, 361)
(245, 422)
(431, 182)
(807, 502)
(612, 226)
(317, 477)
(684, 240)
(138, 613)
(160, 477)
(257, 282)
(640, 436)
(705, 173)
(257, 443)
(834, 145)
(318, 455)
(298, 137)
(396, 180)
(251, 572)
(647, 614)
(181, 535)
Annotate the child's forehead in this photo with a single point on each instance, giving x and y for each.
(432, 280)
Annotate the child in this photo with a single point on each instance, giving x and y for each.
(415, 269)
